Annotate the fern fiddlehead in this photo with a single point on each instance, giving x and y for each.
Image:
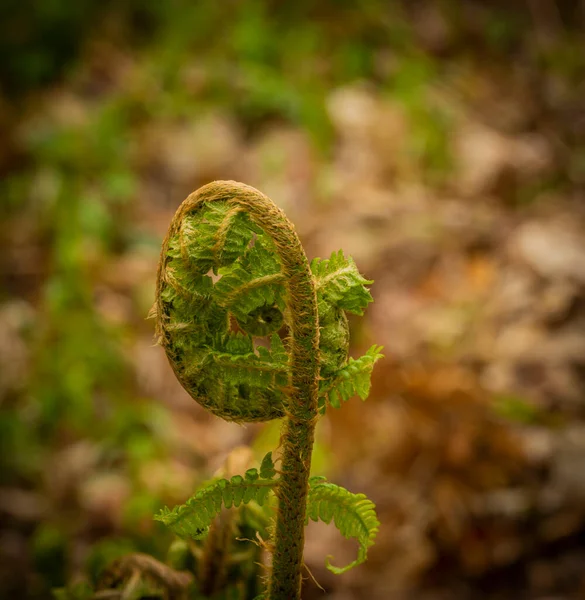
(232, 231)
(253, 333)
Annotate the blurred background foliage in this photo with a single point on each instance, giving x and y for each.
(442, 144)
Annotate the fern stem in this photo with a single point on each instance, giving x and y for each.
(289, 536)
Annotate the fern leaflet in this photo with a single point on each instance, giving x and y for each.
(267, 470)
(354, 516)
(352, 379)
(339, 283)
(252, 289)
(193, 518)
(215, 236)
(235, 361)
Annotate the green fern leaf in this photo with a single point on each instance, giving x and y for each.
(354, 516)
(185, 281)
(193, 518)
(340, 288)
(236, 362)
(351, 380)
(267, 470)
(339, 283)
(252, 289)
(215, 236)
(188, 296)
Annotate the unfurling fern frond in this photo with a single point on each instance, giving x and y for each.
(354, 516)
(197, 312)
(351, 380)
(193, 518)
(232, 270)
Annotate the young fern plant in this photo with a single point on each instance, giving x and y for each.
(254, 333)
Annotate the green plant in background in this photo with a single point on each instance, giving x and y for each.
(253, 333)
